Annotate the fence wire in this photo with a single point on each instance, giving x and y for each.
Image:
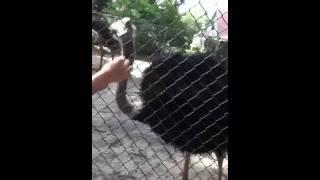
(126, 149)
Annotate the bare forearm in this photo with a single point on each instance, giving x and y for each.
(94, 86)
(99, 82)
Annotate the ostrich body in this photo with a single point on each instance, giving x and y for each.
(185, 101)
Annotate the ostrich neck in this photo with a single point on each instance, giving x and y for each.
(127, 51)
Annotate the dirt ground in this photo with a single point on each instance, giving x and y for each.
(123, 149)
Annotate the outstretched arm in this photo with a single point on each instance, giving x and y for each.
(114, 71)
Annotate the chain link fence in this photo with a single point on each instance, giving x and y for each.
(123, 148)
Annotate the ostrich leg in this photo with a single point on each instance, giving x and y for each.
(220, 158)
(185, 172)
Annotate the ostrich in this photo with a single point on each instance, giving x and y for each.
(103, 36)
(185, 100)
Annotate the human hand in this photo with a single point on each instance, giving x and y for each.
(114, 71)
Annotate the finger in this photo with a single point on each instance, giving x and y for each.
(120, 58)
(126, 62)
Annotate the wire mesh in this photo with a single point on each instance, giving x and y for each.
(126, 149)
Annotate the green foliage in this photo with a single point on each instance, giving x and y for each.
(100, 5)
(159, 25)
(211, 44)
